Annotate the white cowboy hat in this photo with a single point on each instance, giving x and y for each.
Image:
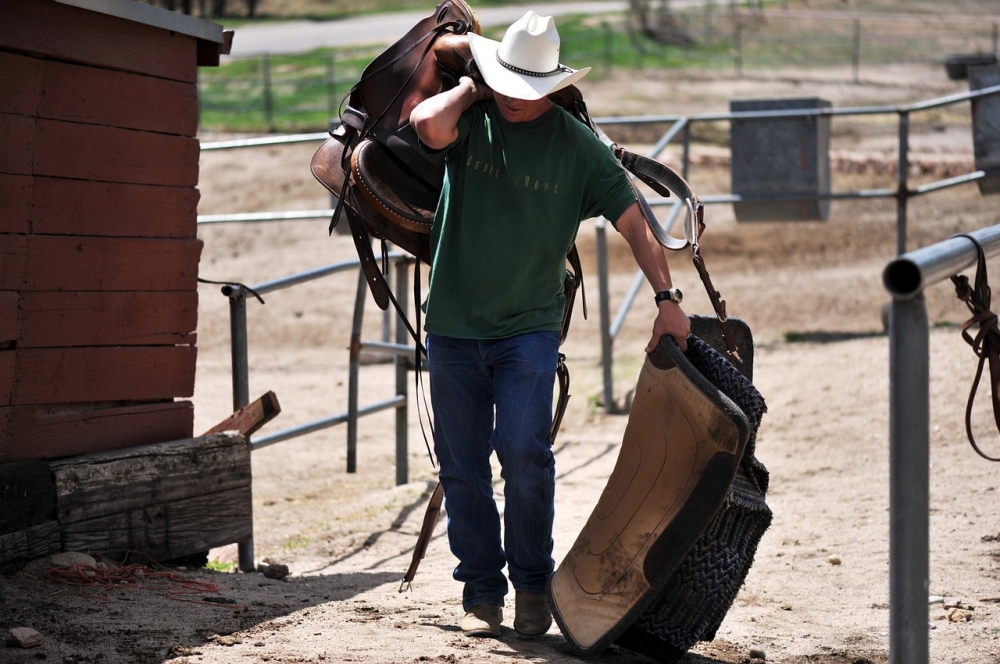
(525, 65)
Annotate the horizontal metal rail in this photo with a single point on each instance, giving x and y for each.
(906, 278)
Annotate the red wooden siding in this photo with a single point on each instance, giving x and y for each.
(17, 136)
(21, 82)
(77, 35)
(124, 373)
(68, 263)
(9, 327)
(48, 432)
(98, 231)
(15, 199)
(57, 206)
(91, 152)
(52, 319)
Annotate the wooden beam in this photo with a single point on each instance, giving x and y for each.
(106, 483)
(251, 417)
(167, 500)
(30, 543)
(166, 530)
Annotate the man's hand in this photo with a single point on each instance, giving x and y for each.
(671, 320)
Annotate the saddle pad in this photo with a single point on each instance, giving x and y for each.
(695, 599)
(682, 446)
(392, 188)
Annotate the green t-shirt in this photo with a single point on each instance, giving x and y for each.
(513, 197)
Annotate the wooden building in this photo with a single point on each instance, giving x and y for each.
(98, 258)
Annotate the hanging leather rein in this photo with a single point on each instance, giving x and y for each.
(985, 343)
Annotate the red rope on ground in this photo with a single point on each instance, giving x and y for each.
(135, 576)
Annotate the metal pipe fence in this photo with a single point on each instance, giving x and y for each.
(906, 278)
(681, 126)
(239, 345)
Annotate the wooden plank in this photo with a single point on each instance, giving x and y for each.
(17, 143)
(27, 495)
(78, 207)
(78, 35)
(109, 154)
(125, 373)
(95, 485)
(8, 359)
(115, 318)
(167, 530)
(21, 82)
(9, 320)
(13, 261)
(16, 193)
(30, 543)
(47, 263)
(251, 417)
(117, 99)
(49, 432)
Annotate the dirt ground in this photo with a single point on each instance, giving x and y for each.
(813, 296)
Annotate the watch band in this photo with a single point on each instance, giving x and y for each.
(672, 294)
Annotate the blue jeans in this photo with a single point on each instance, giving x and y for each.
(513, 378)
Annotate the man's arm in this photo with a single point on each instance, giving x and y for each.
(435, 119)
(670, 319)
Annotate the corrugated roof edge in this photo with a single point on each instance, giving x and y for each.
(139, 12)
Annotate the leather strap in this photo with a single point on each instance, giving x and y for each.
(426, 531)
(986, 342)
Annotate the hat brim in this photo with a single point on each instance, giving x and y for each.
(512, 84)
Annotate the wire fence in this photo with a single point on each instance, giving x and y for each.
(303, 92)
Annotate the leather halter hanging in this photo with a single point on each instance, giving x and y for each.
(985, 343)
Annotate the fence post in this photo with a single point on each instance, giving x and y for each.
(241, 389)
(352, 373)
(902, 170)
(856, 49)
(602, 283)
(402, 411)
(265, 69)
(909, 461)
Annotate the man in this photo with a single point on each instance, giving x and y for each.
(521, 174)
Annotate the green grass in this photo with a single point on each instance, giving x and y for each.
(219, 566)
(292, 93)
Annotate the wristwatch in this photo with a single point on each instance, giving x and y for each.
(672, 294)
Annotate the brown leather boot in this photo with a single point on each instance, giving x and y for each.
(482, 620)
(532, 616)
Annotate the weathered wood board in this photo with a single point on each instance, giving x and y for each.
(32, 542)
(166, 500)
